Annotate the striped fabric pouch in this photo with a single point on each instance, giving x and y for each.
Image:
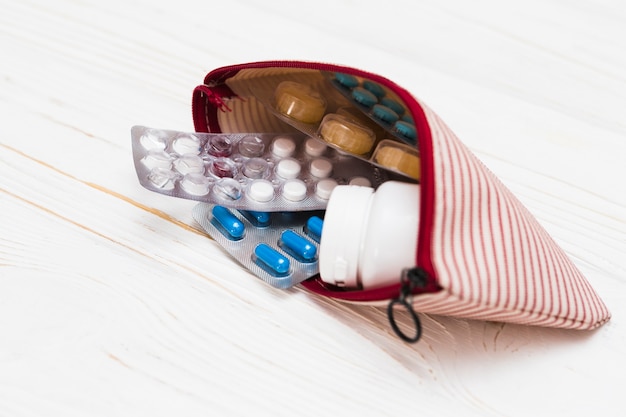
(480, 255)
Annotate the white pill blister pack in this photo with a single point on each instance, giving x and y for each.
(262, 172)
(281, 248)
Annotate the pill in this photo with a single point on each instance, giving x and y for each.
(298, 245)
(219, 146)
(188, 164)
(314, 227)
(257, 218)
(384, 113)
(399, 158)
(164, 179)
(196, 184)
(347, 134)
(255, 168)
(261, 191)
(314, 147)
(325, 187)
(251, 146)
(157, 159)
(405, 129)
(393, 105)
(227, 189)
(272, 259)
(299, 101)
(229, 222)
(364, 97)
(408, 118)
(374, 88)
(288, 168)
(186, 143)
(223, 168)
(294, 190)
(283, 147)
(346, 80)
(154, 139)
(360, 181)
(321, 168)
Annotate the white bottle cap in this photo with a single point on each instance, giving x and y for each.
(344, 221)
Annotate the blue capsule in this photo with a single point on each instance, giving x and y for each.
(229, 222)
(257, 218)
(299, 246)
(313, 227)
(271, 259)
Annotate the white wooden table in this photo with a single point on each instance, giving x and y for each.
(112, 300)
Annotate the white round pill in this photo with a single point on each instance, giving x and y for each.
(227, 189)
(195, 184)
(157, 159)
(188, 164)
(314, 147)
(261, 190)
(283, 146)
(321, 168)
(154, 139)
(361, 181)
(294, 190)
(325, 187)
(288, 168)
(163, 178)
(186, 143)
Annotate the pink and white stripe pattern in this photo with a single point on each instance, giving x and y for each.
(492, 258)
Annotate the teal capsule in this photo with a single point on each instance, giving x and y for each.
(298, 245)
(384, 113)
(272, 259)
(406, 129)
(393, 105)
(229, 222)
(364, 97)
(346, 80)
(374, 88)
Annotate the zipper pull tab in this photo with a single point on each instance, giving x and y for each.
(411, 278)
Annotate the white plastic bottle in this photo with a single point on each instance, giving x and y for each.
(369, 237)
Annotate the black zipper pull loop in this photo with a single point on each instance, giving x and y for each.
(411, 278)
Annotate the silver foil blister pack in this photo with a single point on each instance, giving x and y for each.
(281, 248)
(251, 171)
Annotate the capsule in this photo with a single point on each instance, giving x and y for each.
(298, 245)
(314, 227)
(229, 222)
(257, 218)
(272, 259)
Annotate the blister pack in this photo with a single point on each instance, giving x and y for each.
(281, 248)
(349, 113)
(263, 172)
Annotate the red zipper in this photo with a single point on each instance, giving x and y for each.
(207, 101)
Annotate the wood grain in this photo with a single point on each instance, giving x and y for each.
(112, 300)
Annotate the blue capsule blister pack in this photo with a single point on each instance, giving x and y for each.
(253, 171)
(281, 248)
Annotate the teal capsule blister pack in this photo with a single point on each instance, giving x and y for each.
(281, 248)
